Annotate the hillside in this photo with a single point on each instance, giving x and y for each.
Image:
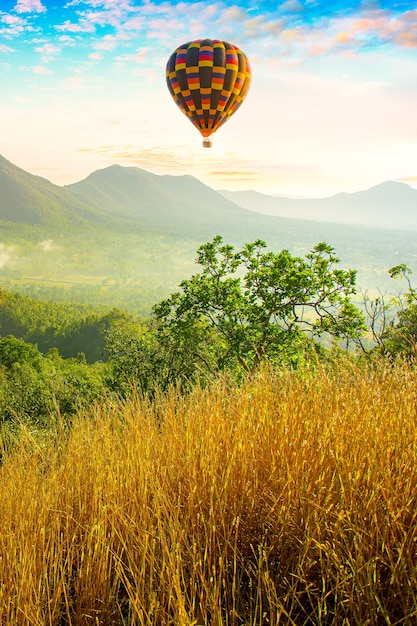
(32, 200)
(388, 205)
(173, 205)
(135, 194)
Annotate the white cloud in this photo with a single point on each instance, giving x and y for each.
(47, 51)
(134, 23)
(5, 49)
(29, 6)
(74, 83)
(110, 4)
(108, 42)
(234, 14)
(14, 25)
(13, 20)
(137, 57)
(83, 26)
(68, 40)
(40, 69)
(47, 48)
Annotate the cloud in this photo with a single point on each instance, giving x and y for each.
(13, 20)
(118, 14)
(109, 5)
(233, 175)
(156, 158)
(41, 69)
(29, 6)
(374, 28)
(234, 14)
(83, 26)
(140, 56)
(163, 160)
(5, 49)
(14, 25)
(409, 179)
(292, 6)
(407, 39)
(362, 31)
(74, 83)
(108, 42)
(67, 39)
(47, 51)
(134, 24)
(215, 171)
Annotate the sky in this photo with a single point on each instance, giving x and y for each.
(332, 105)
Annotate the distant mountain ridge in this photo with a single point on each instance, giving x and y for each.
(128, 226)
(134, 195)
(387, 205)
(33, 200)
(127, 198)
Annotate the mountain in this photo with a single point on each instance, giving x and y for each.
(165, 203)
(388, 205)
(185, 208)
(32, 200)
(124, 232)
(141, 200)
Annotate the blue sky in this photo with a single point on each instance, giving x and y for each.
(332, 105)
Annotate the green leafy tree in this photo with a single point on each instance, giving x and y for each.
(32, 385)
(149, 357)
(258, 304)
(14, 351)
(24, 391)
(400, 337)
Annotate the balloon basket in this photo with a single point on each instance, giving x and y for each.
(207, 143)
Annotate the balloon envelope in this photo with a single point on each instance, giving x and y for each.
(208, 79)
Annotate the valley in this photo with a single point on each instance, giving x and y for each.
(125, 237)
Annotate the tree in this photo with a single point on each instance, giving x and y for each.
(400, 337)
(32, 384)
(15, 351)
(258, 304)
(149, 357)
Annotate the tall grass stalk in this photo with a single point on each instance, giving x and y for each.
(291, 500)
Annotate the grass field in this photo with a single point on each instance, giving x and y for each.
(291, 500)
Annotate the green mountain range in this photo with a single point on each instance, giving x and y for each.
(125, 236)
(32, 200)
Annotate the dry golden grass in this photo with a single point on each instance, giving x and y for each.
(292, 500)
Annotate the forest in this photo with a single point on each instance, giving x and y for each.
(244, 307)
(243, 455)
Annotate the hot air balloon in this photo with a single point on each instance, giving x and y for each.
(208, 79)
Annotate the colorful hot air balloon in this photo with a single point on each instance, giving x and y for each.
(209, 80)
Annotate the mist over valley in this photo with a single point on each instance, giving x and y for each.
(126, 237)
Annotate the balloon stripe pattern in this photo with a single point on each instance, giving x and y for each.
(208, 79)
